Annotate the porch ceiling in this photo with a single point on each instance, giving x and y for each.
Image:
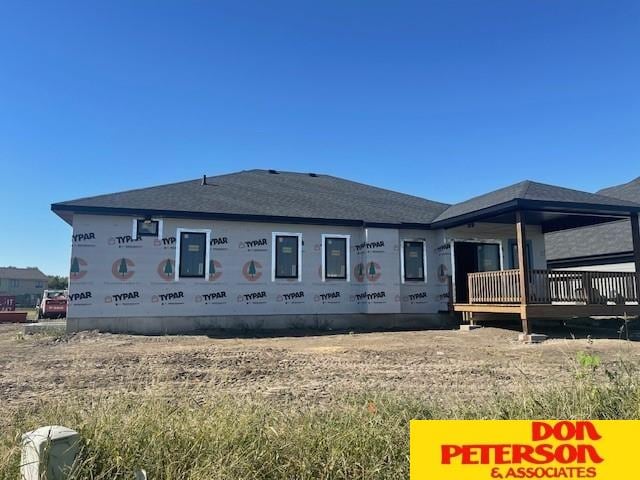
(551, 216)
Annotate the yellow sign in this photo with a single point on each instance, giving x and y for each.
(523, 449)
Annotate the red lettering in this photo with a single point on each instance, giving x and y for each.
(540, 431)
(584, 450)
(448, 452)
(590, 428)
(564, 430)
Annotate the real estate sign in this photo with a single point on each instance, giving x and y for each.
(522, 449)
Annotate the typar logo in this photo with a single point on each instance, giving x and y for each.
(81, 298)
(170, 298)
(419, 297)
(373, 271)
(74, 297)
(122, 269)
(166, 242)
(166, 269)
(79, 238)
(78, 268)
(369, 246)
(252, 270)
(374, 297)
(125, 298)
(215, 270)
(327, 297)
(255, 245)
(519, 449)
(443, 297)
(123, 240)
(293, 297)
(253, 297)
(443, 249)
(212, 298)
(220, 243)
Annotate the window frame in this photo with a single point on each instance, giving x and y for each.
(347, 239)
(528, 250)
(403, 272)
(207, 256)
(274, 256)
(135, 234)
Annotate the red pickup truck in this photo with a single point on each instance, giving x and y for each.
(53, 304)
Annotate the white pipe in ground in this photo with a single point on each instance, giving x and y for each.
(48, 453)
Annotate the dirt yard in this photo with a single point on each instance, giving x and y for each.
(437, 364)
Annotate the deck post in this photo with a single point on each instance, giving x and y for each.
(523, 270)
(635, 236)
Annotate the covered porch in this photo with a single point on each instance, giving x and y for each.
(532, 293)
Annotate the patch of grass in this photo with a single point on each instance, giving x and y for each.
(196, 435)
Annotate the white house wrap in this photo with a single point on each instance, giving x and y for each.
(350, 255)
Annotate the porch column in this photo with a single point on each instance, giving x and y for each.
(523, 274)
(635, 236)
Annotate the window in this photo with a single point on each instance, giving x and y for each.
(335, 257)
(488, 257)
(147, 228)
(286, 255)
(513, 253)
(413, 261)
(193, 254)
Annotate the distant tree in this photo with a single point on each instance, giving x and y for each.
(372, 269)
(57, 282)
(252, 269)
(212, 267)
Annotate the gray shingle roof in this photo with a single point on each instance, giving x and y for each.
(529, 190)
(605, 239)
(285, 194)
(627, 191)
(15, 273)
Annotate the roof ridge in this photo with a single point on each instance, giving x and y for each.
(526, 184)
(386, 189)
(198, 179)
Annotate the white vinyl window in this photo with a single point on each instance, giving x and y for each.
(336, 257)
(192, 253)
(147, 227)
(413, 261)
(286, 256)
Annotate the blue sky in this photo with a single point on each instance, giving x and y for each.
(442, 99)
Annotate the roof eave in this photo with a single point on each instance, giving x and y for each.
(621, 211)
(477, 215)
(599, 259)
(63, 211)
(578, 207)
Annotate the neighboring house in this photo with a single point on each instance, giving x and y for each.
(605, 247)
(26, 284)
(268, 249)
